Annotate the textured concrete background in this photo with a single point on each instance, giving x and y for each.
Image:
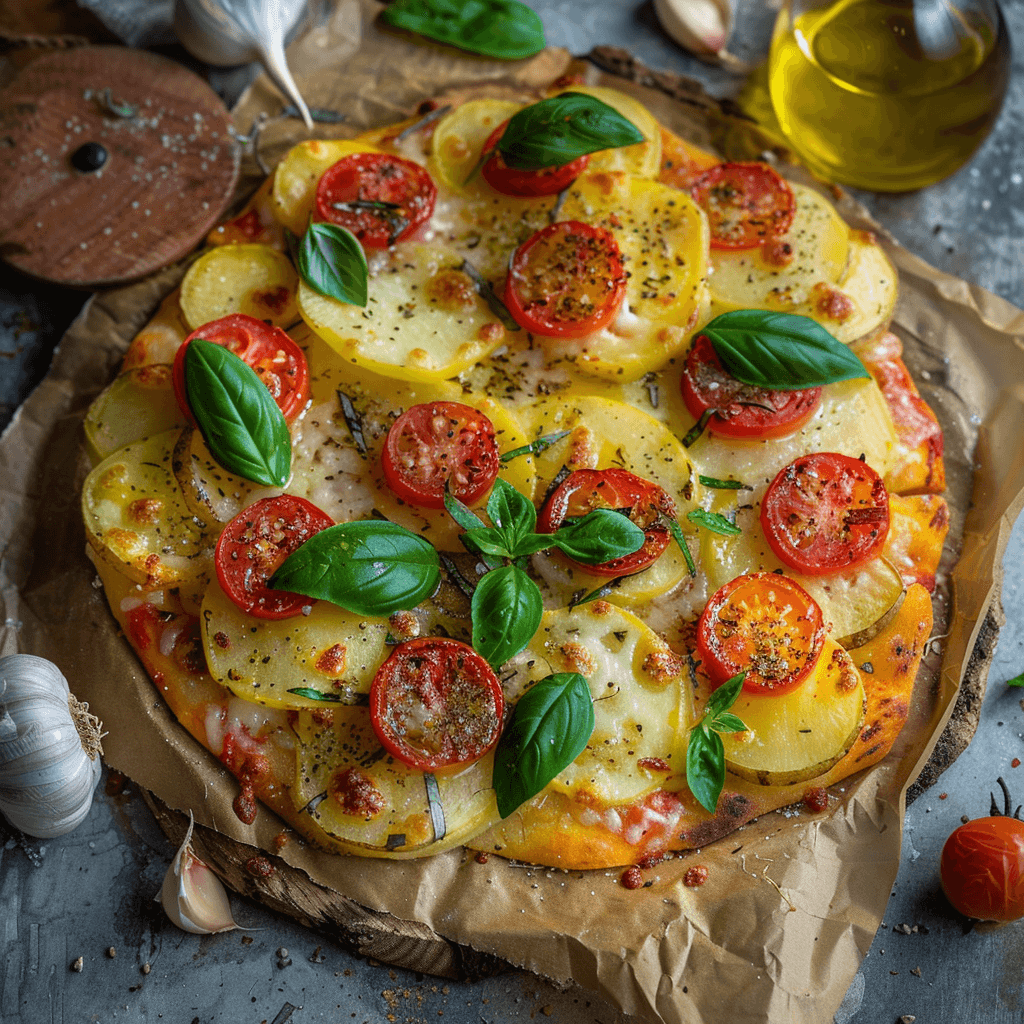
(92, 892)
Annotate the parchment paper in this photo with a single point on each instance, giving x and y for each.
(792, 902)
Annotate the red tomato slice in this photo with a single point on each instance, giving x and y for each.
(566, 281)
(824, 512)
(746, 204)
(278, 361)
(381, 199)
(587, 489)
(436, 703)
(740, 410)
(513, 181)
(440, 443)
(765, 625)
(253, 546)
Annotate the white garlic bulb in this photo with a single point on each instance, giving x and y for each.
(192, 895)
(701, 26)
(49, 748)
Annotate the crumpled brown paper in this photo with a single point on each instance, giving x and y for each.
(792, 902)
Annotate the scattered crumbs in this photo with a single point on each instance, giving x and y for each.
(943, 796)
(145, 968)
(111, 952)
(964, 819)
(907, 1018)
(317, 957)
(915, 971)
(246, 940)
(1015, 763)
(894, 972)
(134, 988)
(903, 929)
(77, 964)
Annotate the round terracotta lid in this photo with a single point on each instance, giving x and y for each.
(113, 163)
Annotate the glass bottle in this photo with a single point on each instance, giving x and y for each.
(890, 95)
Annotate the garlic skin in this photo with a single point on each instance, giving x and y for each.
(47, 774)
(701, 26)
(192, 895)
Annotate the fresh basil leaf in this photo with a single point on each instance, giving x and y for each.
(724, 485)
(493, 28)
(512, 513)
(535, 447)
(549, 729)
(506, 611)
(780, 351)
(727, 722)
(599, 537)
(714, 522)
(241, 423)
(1016, 680)
(460, 512)
(705, 767)
(532, 543)
(332, 262)
(561, 128)
(370, 567)
(342, 697)
(724, 697)
(680, 538)
(488, 540)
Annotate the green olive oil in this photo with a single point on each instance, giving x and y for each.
(890, 95)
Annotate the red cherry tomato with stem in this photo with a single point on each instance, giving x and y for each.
(381, 199)
(436, 703)
(765, 625)
(566, 281)
(513, 181)
(436, 444)
(825, 512)
(747, 204)
(277, 360)
(255, 543)
(741, 411)
(585, 490)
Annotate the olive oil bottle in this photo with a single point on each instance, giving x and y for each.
(890, 95)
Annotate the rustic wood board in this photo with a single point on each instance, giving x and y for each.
(170, 171)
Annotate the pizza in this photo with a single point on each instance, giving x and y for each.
(565, 500)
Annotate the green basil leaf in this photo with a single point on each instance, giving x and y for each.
(509, 510)
(725, 485)
(549, 729)
(342, 697)
(705, 767)
(714, 522)
(332, 262)
(1016, 680)
(561, 128)
(598, 537)
(506, 611)
(532, 543)
(488, 540)
(727, 722)
(370, 567)
(461, 513)
(724, 697)
(780, 351)
(241, 423)
(680, 538)
(535, 447)
(493, 28)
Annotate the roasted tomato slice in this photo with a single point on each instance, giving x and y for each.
(740, 410)
(513, 181)
(440, 443)
(253, 546)
(566, 281)
(435, 703)
(765, 625)
(746, 204)
(277, 360)
(587, 489)
(824, 512)
(381, 199)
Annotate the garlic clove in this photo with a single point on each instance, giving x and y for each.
(193, 897)
(701, 26)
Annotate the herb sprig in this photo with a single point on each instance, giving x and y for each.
(705, 753)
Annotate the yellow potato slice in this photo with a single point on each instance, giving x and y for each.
(329, 651)
(136, 517)
(297, 175)
(643, 704)
(256, 280)
(423, 321)
(799, 735)
(642, 159)
(871, 284)
(212, 493)
(459, 138)
(344, 775)
(137, 403)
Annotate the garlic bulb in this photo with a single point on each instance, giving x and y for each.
(701, 26)
(192, 895)
(49, 748)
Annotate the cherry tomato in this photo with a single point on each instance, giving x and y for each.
(513, 181)
(253, 546)
(435, 703)
(587, 489)
(440, 443)
(982, 868)
(824, 512)
(381, 199)
(765, 625)
(566, 281)
(277, 360)
(746, 204)
(741, 410)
